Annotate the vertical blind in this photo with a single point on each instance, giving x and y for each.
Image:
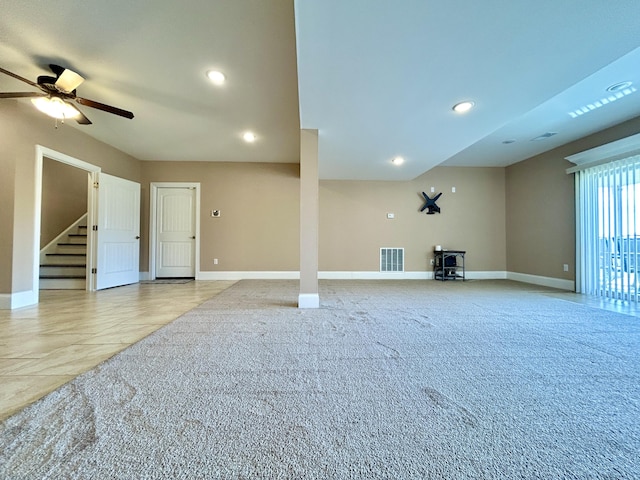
(608, 229)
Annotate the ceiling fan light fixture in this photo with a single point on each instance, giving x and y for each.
(55, 107)
(249, 137)
(216, 77)
(463, 107)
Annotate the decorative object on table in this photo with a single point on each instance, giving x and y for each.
(430, 204)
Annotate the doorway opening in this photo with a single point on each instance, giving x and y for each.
(91, 171)
(113, 220)
(63, 227)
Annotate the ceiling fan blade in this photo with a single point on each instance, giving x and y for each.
(103, 107)
(68, 81)
(22, 94)
(18, 77)
(82, 118)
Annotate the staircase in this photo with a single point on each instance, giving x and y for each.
(63, 262)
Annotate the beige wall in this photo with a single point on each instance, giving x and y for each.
(64, 198)
(27, 128)
(354, 224)
(7, 193)
(259, 226)
(540, 198)
(541, 217)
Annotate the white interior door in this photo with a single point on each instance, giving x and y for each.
(176, 232)
(118, 235)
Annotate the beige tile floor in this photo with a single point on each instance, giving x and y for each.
(619, 306)
(69, 332)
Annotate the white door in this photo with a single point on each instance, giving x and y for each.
(118, 235)
(176, 232)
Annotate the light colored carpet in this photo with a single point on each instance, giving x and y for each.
(393, 380)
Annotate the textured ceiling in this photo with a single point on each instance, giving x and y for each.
(377, 78)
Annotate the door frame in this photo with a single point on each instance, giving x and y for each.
(93, 171)
(153, 224)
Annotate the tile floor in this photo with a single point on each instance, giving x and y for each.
(72, 331)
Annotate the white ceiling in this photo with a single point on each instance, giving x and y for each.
(377, 78)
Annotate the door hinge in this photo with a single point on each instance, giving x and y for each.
(94, 270)
(94, 228)
(96, 185)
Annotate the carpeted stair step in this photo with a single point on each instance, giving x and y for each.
(63, 283)
(77, 238)
(65, 247)
(65, 258)
(64, 270)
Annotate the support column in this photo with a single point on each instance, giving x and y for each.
(309, 219)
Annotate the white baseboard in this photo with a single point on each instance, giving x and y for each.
(543, 281)
(9, 301)
(334, 275)
(345, 275)
(490, 275)
(145, 276)
(309, 300)
(405, 275)
(248, 276)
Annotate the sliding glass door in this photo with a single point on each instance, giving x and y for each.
(608, 234)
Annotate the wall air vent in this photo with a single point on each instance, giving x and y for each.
(392, 259)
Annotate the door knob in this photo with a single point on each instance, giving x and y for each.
(194, 237)
(137, 237)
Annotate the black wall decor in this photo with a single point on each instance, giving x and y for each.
(430, 204)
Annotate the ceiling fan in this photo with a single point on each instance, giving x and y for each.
(56, 93)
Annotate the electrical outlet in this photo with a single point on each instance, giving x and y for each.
(565, 267)
(215, 261)
(431, 261)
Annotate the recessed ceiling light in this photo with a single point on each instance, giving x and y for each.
(619, 86)
(463, 107)
(249, 137)
(216, 77)
(397, 160)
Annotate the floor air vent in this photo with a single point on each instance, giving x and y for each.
(392, 259)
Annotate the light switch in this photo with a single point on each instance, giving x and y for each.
(453, 189)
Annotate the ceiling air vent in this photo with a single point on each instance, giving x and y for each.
(392, 259)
